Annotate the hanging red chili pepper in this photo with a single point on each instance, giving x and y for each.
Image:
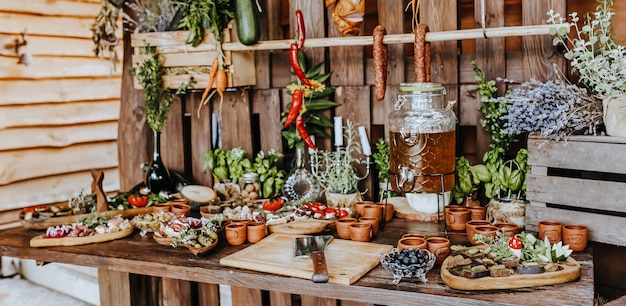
(295, 65)
(300, 29)
(304, 134)
(296, 105)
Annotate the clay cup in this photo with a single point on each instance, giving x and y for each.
(477, 212)
(388, 208)
(457, 217)
(256, 231)
(470, 228)
(358, 207)
(343, 227)
(576, 236)
(360, 231)
(439, 246)
(373, 211)
(551, 229)
(374, 222)
(236, 234)
(412, 243)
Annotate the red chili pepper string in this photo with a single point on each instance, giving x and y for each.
(296, 105)
(304, 134)
(295, 66)
(300, 29)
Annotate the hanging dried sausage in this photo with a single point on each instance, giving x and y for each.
(380, 63)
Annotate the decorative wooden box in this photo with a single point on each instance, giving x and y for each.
(580, 181)
(182, 61)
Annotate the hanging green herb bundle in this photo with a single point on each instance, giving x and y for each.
(157, 98)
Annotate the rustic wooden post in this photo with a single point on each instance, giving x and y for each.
(490, 56)
(538, 52)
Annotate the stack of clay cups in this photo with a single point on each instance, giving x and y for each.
(238, 231)
(574, 235)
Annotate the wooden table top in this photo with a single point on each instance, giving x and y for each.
(142, 255)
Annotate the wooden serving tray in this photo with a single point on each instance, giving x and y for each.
(44, 223)
(303, 227)
(347, 260)
(570, 270)
(42, 241)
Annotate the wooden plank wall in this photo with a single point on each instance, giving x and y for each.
(59, 116)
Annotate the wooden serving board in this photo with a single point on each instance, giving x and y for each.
(42, 241)
(303, 227)
(404, 211)
(44, 223)
(570, 271)
(347, 260)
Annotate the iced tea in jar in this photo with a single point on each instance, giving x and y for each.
(422, 140)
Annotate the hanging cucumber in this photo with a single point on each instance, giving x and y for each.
(247, 19)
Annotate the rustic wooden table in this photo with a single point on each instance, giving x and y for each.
(141, 255)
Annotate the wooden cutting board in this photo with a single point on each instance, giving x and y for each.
(44, 223)
(42, 241)
(570, 271)
(347, 260)
(404, 211)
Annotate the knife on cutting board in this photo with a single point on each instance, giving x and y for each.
(313, 246)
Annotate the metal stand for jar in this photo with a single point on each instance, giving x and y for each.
(442, 193)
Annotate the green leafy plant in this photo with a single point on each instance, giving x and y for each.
(227, 164)
(157, 98)
(198, 15)
(493, 111)
(593, 53)
(334, 170)
(381, 159)
(315, 103)
(154, 15)
(271, 177)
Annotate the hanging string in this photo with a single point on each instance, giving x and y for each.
(415, 8)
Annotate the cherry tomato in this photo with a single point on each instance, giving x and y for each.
(343, 213)
(274, 204)
(29, 209)
(137, 200)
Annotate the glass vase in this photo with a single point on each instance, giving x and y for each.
(300, 184)
(157, 175)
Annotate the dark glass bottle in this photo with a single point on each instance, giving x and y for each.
(157, 176)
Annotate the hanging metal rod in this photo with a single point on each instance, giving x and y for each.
(398, 38)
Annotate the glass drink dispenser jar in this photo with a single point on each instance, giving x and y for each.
(422, 140)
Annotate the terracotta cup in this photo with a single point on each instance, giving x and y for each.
(375, 222)
(457, 217)
(240, 221)
(164, 207)
(256, 231)
(389, 210)
(358, 206)
(412, 243)
(180, 208)
(477, 212)
(551, 229)
(415, 235)
(183, 201)
(360, 231)
(470, 228)
(452, 206)
(439, 246)
(508, 228)
(236, 233)
(576, 236)
(373, 211)
(343, 227)
(487, 230)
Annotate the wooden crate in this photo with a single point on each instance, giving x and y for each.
(582, 181)
(183, 62)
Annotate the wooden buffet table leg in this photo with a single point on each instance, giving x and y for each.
(114, 288)
(245, 296)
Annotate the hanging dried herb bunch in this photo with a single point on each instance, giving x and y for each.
(157, 98)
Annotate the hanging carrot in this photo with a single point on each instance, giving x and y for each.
(221, 82)
(214, 68)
